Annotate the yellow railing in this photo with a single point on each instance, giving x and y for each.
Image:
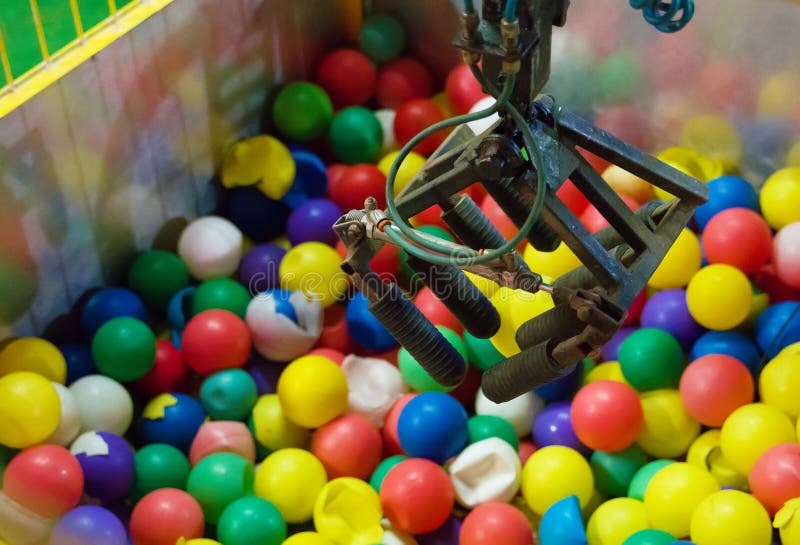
(56, 64)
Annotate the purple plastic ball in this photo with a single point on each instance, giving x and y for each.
(258, 271)
(89, 525)
(313, 221)
(108, 463)
(611, 348)
(667, 310)
(266, 373)
(446, 534)
(553, 426)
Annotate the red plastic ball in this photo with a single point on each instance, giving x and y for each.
(726, 86)
(417, 496)
(493, 523)
(350, 189)
(625, 123)
(715, 385)
(414, 116)
(635, 310)
(499, 219)
(739, 237)
(168, 374)
(526, 448)
(572, 198)
(350, 446)
(164, 516)
(775, 477)
(334, 330)
(214, 340)
(348, 76)
(390, 438)
(46, 479)
(431, 216)
(770, 283)
(607, 415)
(476, 192)
(595, 161)
(462, 89)
(335, 172)
(385, 262)
(330, 353)
(402, 80)
(593, 220)
(436, 311)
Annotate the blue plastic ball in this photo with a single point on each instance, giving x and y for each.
(108, 464)
(778, 327)
(89, 525)
(726, 192)
(364, 328)
(433, 425)
(312, 221)
(562, 524)
(562, 388)
(172, 419)
(310, 179)
(79, 361)
(553, 426)
(108, 303)
(731, 344)
(229, 394)
(179, 311)
(258, 216)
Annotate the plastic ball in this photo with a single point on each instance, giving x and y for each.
(668, 428)
(348, 77)
(553, 473)
(401, 80)
(553, 426)
(416, 376)
(650, 536)
(728, 343)
(356, 184)
(313, 268)
(433, 425)
(214, 340)
(79, 361)
(391, 439)
(259, 217)
(386, 119)
(483, 426)
(168, 374)
(481, 353)
(89, 524)
(607, 415)
(46, 479)
(520, 411)
(786, 254)
(251, 521)
(272, 429)
(211, 247)
(411, 164)
(355, 135)
(291, 479)
(382, 37)
(35, 356)
(614, 471)
(222, 436)
(779, 381)
(561, 524)
(436, 311)
(739, 237)
(31, 409)
(630, 185)
(311, 181)
(156, 276)
(486, 471)
(349, 446)
(221, 294)
(217, 481)
(611, 348)
(778, 326)
(104, 404)
(495, 522)
(374, 385)
(594, 220)
(723, 193)
(348, 510)
(108, 463)
(752, 429)
(417, 496)
(108, 303)
(412, 117)
(641, 479)
(307, 538)
(302, 111)
(383, 468)
(713, 386)
(719, 297)
(613, 521)
(312, 221)
(552, 264)
(159, 466)
(462, 89)
(680, 263)
(284, 325)
(775, 477)
(608, 370)
(124, 348)
(651, 359)
(674, 493)
(667, 310)
(258, 271)
(728, 516)
(229, 395)
(312, 391)
(164, 516)
(364, 328)
(260, 160)
(778, 197)
(69, 424)
(172, 419)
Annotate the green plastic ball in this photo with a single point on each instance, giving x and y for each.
(405, 268)
(302, 111)
(614, 471)
(617, 78)
(229, 395)
(651, 359)
(376, 480)
(382, 38)
(156, 276)
(218, 480)
(159, 466)
(481, 353)
(251, 521)
(416, 376)
(650, 536)
(221, 293)
(483, 426)
(124, 349)
(356, 135)
(642, 478)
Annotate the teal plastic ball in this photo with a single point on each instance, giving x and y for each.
(356, 135)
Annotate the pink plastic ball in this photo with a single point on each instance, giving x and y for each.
(786, 254)
(222, 436)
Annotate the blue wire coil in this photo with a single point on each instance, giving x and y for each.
(666, 15)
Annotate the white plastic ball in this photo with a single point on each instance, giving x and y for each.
(70, 424)
(395, 536)
(488, 470)
(786, 254)
(104, 404)
(374, 385)
(520, 412)
(211, 247)
(277, 337)
(386, 119)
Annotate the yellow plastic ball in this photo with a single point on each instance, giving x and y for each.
(408, 168)
(30, 409)
(443, 103)
(291, 479)
(713, 137)
(524, 305)
(668, 429)
(262, 160)
(731, 516)
(615, 520)
(608, 370)
(690, 163)
(793, 157)
(752, 429)
(307, 538)
(348, 510)
(553, 473)
(202, 541)
(674, 493)
(779, 197)
(273, 429)
(719, 297)
(630, 185)
(504, 340)
(787, 520)
(313, 268)
(312, 391)
(706, 453)
(792, 349)
(779, 383)
(36, 356)
(680, 263)
(552, 264)
(778, 95)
